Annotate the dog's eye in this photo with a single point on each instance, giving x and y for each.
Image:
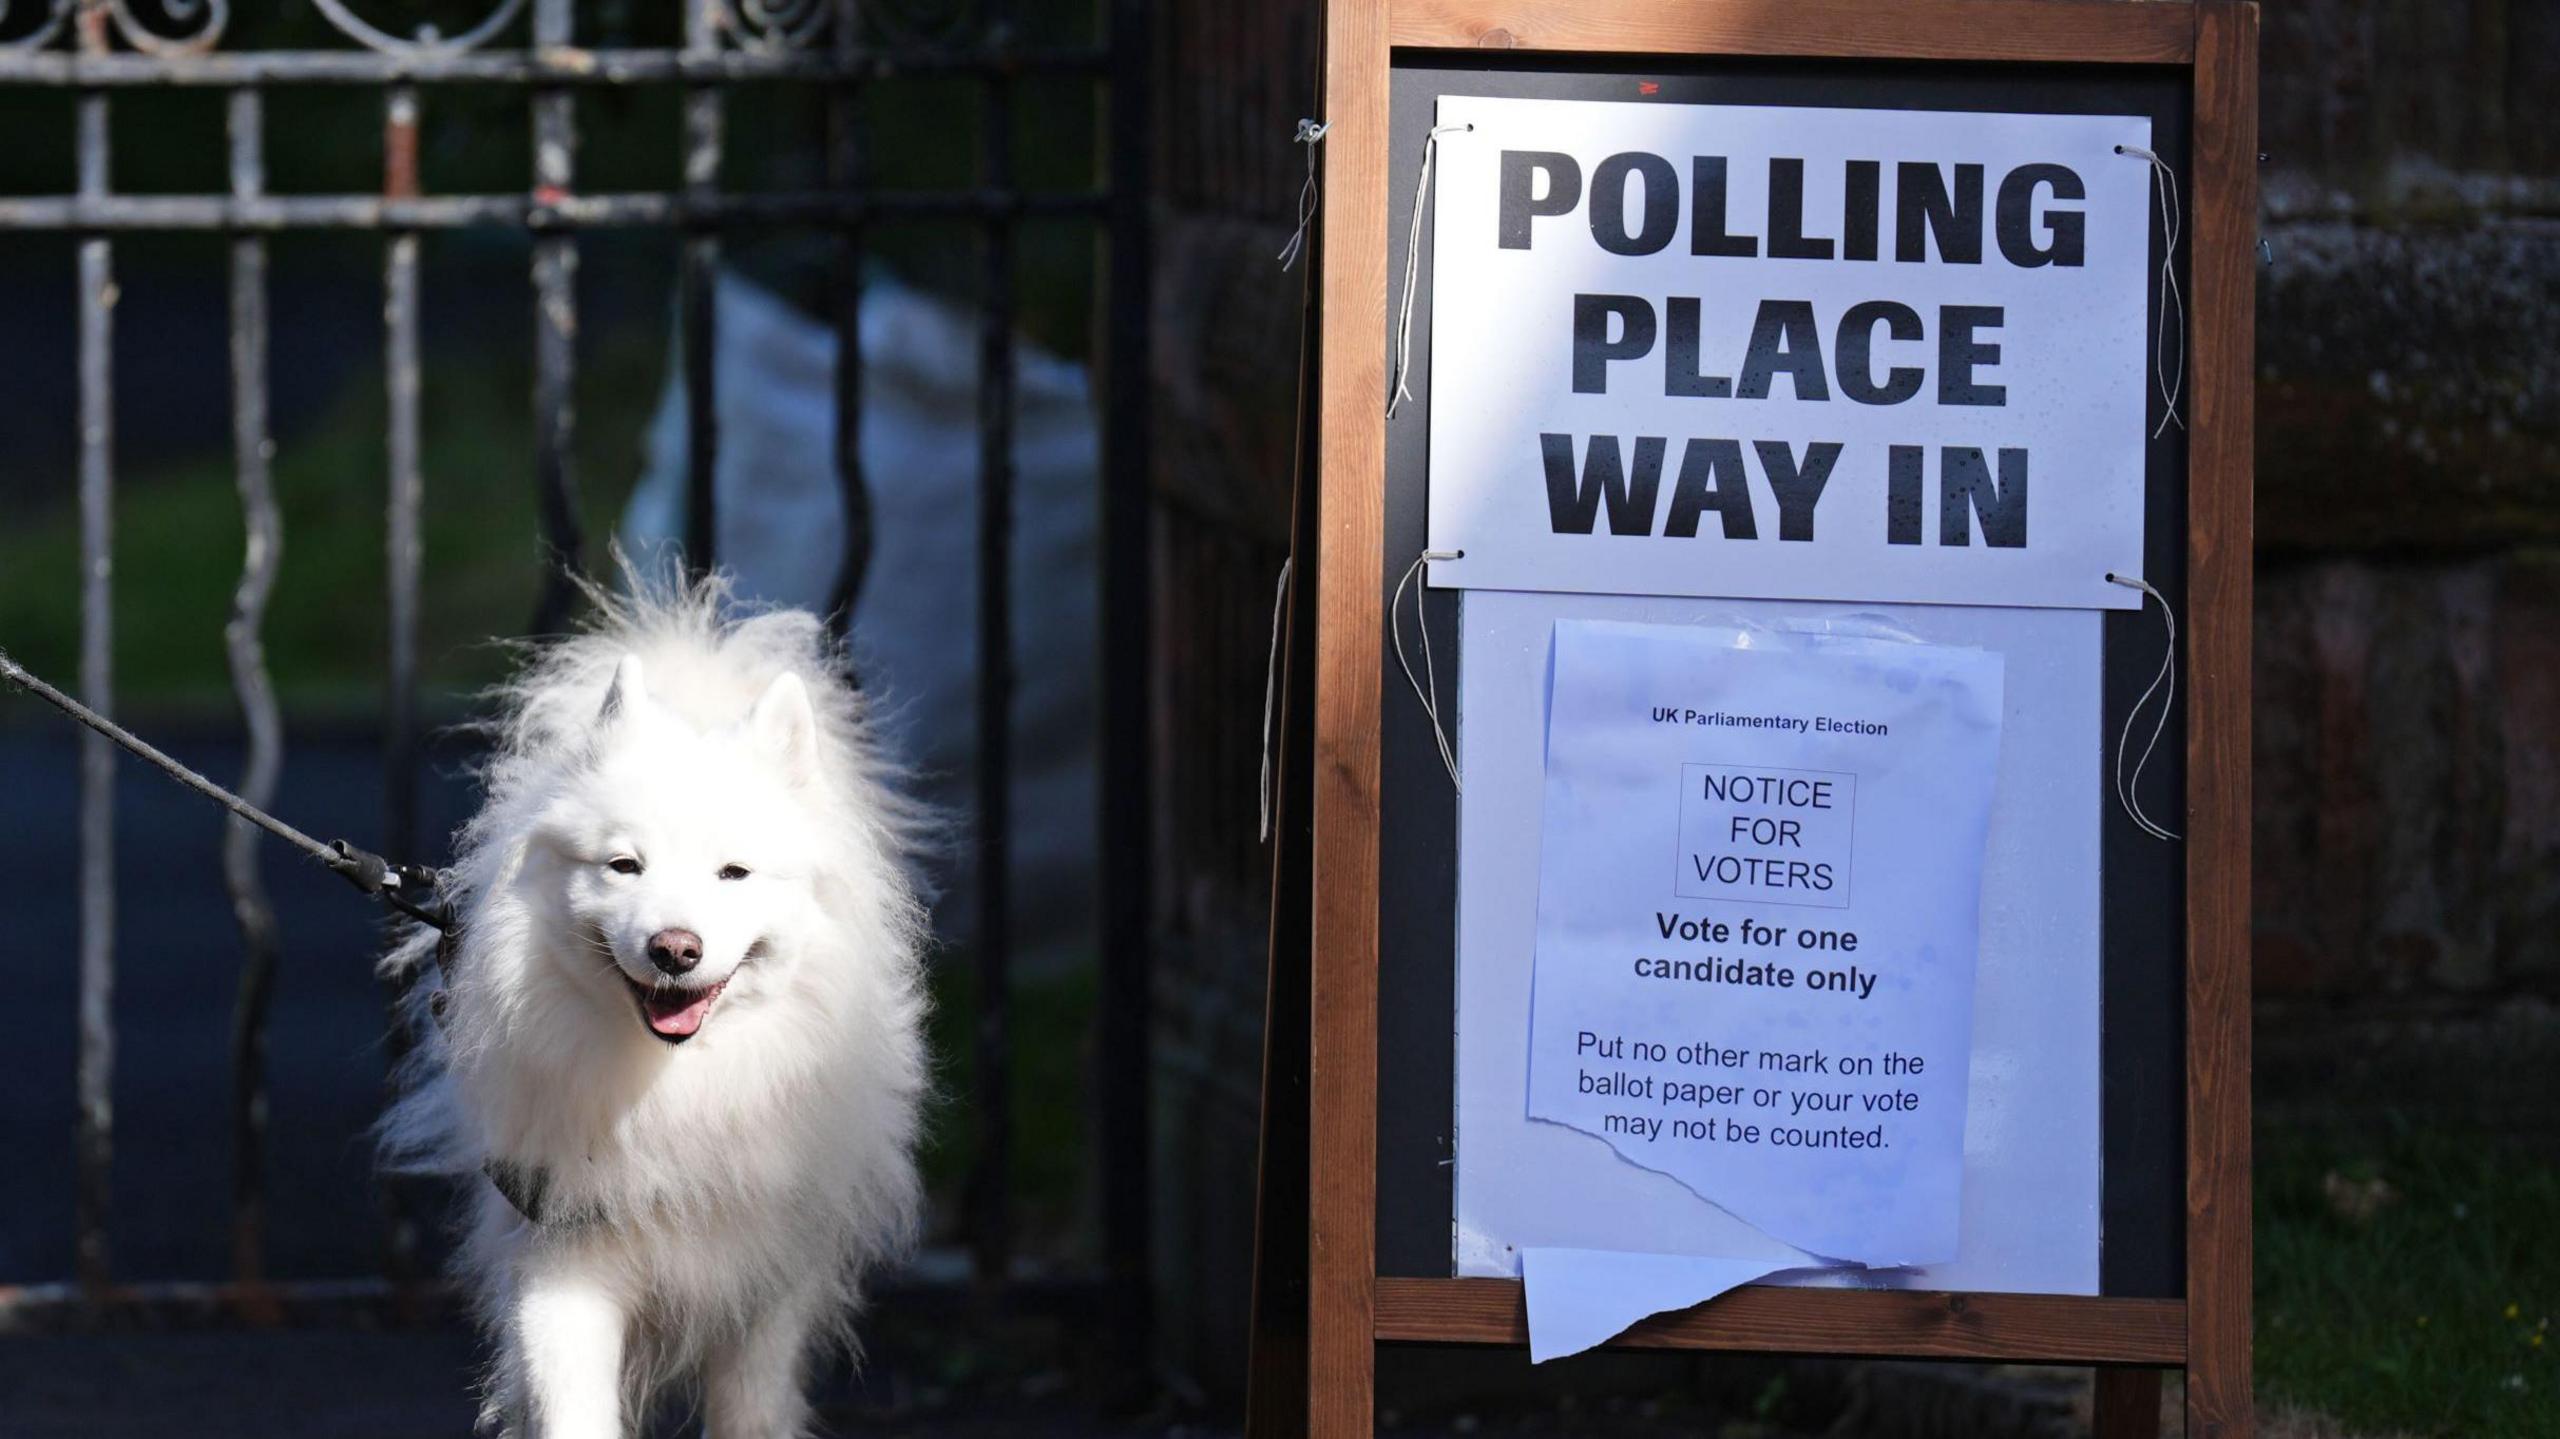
(623, 864)
(733, 871)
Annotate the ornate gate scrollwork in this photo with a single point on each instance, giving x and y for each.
(426, 39)
(165, 28)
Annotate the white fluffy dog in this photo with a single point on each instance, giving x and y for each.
(676, 1046)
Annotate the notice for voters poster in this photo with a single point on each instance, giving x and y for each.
(1757, 921)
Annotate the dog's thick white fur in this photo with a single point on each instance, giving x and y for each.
(718, 1156)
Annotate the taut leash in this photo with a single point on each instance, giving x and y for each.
(411, 889)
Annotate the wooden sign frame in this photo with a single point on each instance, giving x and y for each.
(1350, 1308)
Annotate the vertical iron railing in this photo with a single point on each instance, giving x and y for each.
(725, 45)
(97, 678)
(555, 329)
(704, 127)
(992, 1222)
(403, 559)
(847, 174)
(1128, 609)
(251, 450)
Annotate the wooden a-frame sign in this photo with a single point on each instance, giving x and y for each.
(1322, 1305)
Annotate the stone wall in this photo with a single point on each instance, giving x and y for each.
(2408, 625)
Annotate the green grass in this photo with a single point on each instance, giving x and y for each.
(2435, 1315)
(178, 542)
(1051, 1089)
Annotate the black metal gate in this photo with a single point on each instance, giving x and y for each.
(94, 50)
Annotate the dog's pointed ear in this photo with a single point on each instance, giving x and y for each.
(782, 720)
(628, 689)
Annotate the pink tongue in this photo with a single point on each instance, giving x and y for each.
(680, 1011)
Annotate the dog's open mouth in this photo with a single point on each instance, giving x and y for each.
(672, 1013)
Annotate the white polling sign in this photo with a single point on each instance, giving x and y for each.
(1789, 353)
(1758, 911)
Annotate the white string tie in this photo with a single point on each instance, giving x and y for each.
(1398, 394)
(1271, 689)
(1309, 132)
(2129, 791)
(1427, 687)
(2172, 372)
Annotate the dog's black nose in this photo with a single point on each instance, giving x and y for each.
(675, 951)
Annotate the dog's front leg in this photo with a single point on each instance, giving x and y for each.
(753, 1385)
(568, 1350)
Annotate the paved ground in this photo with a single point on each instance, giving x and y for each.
(410, 1384)
(417, 1384)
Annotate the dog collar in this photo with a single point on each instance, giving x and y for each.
(527, 1189)
(522, 1186)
